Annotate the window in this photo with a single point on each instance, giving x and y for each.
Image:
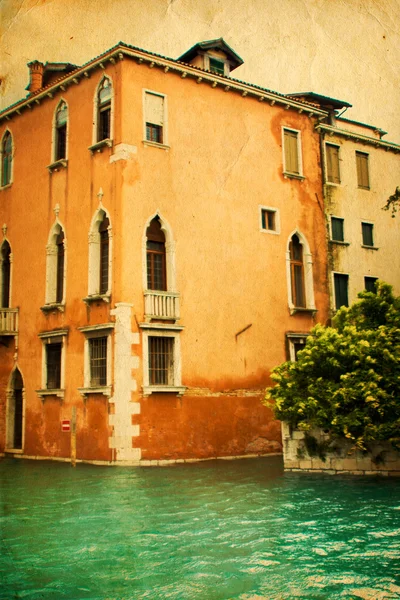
(53, 362)
(100, 254)
(297, 272)
(154, 117)
(53, 366)
(104, 95)
(367, 234)
(269, 219)
(161, 358)
(217, 66)
(296, 342)
(337, 229)
(292, 152)
(5, 259)
(6, 159)
(60, 145)
(332, 163)
(55, 266)
(362, 170)
(97, 359)
(370, 284)
(341, 284)
(155, 256)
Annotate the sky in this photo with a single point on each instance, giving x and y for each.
(345, 49)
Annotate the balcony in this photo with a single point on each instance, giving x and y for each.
(161, 305)
(8, 321)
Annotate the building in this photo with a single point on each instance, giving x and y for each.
(164, 247)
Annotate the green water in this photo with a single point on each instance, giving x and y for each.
(213, 531)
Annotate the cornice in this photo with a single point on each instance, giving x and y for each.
(357, 137)
(198, 74)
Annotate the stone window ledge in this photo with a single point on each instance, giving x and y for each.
(299, 309)
(369, 247)
(50, 392)
(6, 187)
(87, 391)
(57, 165)
(163, 389)
(13, 451)
(293, 176)
(99, 146)
(156, 145)
(97, 298)
(53, 306)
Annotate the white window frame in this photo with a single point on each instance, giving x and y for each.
(51, 267)
(4, 187)
(94, 257)
(48, 338)
(292, 338)
(326, 164)
(308, 275)
(98, 144)
(172, 331)
(299, 175)
(146, 142)
(277, 229)
(54, 163)
(90, 332)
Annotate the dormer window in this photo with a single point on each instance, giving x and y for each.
(217, 66)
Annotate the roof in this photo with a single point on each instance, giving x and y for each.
(217, 44)
(324, 101)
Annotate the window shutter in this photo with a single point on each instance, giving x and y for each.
(291, 154)
(337, 229)
(332, 163)
(362, 169)
(341, 290)
(154, 109)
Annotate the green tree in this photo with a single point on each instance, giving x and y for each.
(346, 380)
(393, 202)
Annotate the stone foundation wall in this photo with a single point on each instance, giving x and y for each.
(383, 460)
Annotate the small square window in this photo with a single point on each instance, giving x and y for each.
(268, 219)
(341, 284)
(370, 284)
(337, 229)
(367, 234)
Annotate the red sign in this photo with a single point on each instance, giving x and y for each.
(66, 425)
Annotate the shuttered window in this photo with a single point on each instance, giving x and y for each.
(362, 170)
(337, 227)
(154, 114)
(367, 234)
(332, 163)
(291, 151)
(341, 284)
(297, 272)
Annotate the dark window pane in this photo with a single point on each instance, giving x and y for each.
(61, 142)
(154, 133)
(268, 220)
(337, 229)
(104, 255)
(6, 270)
(341, 290)
(216, 66)
(104, 122)
(367, 234)
(156, 270)
(53, 360)
(98, 361)
(6, 159)
(60, 267)
(161, 363)
(370, 284)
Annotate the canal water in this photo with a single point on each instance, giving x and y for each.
(211, 531)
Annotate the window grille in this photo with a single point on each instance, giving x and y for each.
(161, 360)
(53, 364)
(98, 361)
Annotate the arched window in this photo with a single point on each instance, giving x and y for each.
(297, 272)
(15, 413)
(60, 142)
(60, 267)
(55, 265)
(104, 254)
(155, 256)
(5, 274)
(104, 94)
(100, 253)
(6, 159)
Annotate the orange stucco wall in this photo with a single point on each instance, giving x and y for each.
(224, 160)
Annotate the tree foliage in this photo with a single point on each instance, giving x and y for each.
(346, 380)
(393, 202)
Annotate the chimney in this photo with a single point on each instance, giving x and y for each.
(36, 69)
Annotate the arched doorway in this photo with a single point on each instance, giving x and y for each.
(15, 411)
